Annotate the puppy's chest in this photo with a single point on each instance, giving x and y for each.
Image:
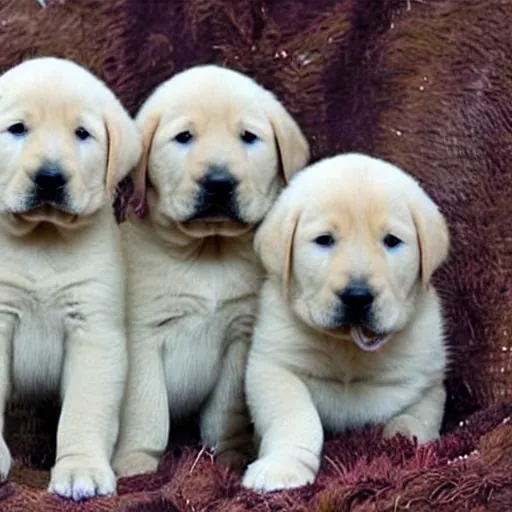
(350, 388)
(221, 282)
(207, 308)
(38, 262)
(336, 363)
(36, 300)
(208, 297)
(36, 278)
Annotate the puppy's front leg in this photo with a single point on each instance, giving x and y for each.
(6, 323)
(286, 418)
(93, 382)
(423, 419)
(224, 419)
(145, 424)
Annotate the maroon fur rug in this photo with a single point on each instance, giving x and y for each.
(426, 84)
(468, 469)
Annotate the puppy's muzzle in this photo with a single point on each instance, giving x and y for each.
(356, 299)
(355, 311)
(216, 200)
(50, 185)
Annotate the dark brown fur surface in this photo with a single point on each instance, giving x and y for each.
(425, 84)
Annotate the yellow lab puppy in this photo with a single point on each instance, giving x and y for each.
(349, 331)
(65, 142)
(214, 140)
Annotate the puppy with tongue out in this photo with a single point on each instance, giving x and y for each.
(350, 329)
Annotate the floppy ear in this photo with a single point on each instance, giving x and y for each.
(274, 240)
(433, 235)
(292, 146)
(148, 127)
(124, 147)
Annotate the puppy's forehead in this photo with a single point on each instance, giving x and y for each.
(54, 83)
(210, 90)
(349, 206)
(355, 186)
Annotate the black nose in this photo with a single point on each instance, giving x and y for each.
(218, 183)
(357, 297)
(50, 178)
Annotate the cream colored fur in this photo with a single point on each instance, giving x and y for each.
(193, 283)
(61, 278)
(305, 374)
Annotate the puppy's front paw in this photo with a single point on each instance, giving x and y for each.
(5, 459)
(134, 463)
(410, 427)
(275, 472)
(79, 478)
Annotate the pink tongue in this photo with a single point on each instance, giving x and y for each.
(368, 344)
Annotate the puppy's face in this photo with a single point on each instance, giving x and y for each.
(213, 161)
(65, 142)
(361, 240)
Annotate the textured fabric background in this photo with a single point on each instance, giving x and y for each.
(426, 84)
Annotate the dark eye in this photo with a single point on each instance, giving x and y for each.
(184, 137)
(325, 240)
(391, 241)
(18, 129)
(82, 133)
(248, 137)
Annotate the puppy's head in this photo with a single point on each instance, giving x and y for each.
(65, 143)
(353, 241)
(214, 144)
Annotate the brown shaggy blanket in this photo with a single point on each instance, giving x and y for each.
(426, 84)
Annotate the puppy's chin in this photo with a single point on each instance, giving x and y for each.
(22, 223)
(215, 220)
(365, 338)
(49, 214)
(225, 227)
(368, 338)
(198, 228)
